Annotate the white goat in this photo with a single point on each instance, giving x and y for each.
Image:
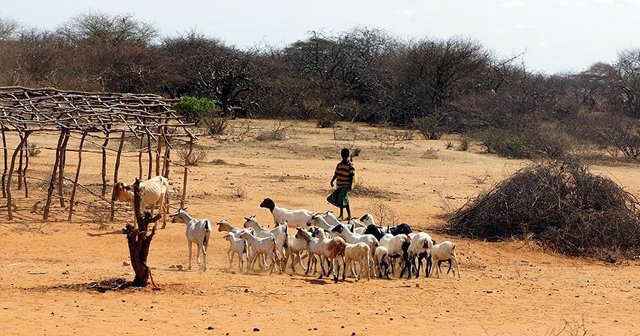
(261, 246)
(236, 246)
(279, 232)
(420, 247)
(198, 232)
(293, 218)
(381, 258)
(295, 246)
(353, 238)
(320, 221)
(224, 225)
(353, 224)
(314, 248)
(153, 193)
(445, 251)
(332, 250)
(358, 253)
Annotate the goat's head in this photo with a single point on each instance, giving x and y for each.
(175, 217)
(318, 233)
(221, 223)
(249, 221)
(302, 234)
(268, 203)
(313, 219)
(121, 192)
(338, 228)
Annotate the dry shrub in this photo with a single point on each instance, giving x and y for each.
(464, 144)
(240, 192)
(278, 133)
(362, 189)
(384, 215)
(429, 126)
(33, 149)
(561, 205)
(198, 155)
(430, 154)
(215, 125)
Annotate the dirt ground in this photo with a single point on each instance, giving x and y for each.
(511, 288)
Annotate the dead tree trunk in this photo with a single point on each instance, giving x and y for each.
(104, 163)
(52, 182)
(115, 174)
(139, 240)
(61, 165)
(13, 161)
(75, 181)
(24, 170)
(4, 172)
(186, 170)
(20, 159)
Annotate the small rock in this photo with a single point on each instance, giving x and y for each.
(341, 327)
(126, 263)
(256, 329)
(172, 266)
(246, 290)
(391, 319)
(353, 334)
(417, 285)
(209, 328)
(179, 267)
(65, 273)
(488, 291)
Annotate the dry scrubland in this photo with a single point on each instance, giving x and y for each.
(511, 288)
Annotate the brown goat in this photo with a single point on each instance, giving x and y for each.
(333, 250)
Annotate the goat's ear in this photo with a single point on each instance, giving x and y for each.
(247, 218)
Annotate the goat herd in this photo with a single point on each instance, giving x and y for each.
(323, 237)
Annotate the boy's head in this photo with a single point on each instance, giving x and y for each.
(344, 153)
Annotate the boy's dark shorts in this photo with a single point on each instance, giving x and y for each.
(340, 197)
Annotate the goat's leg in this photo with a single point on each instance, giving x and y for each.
(198, 253)
(163, 210)
(368, 261)
(322, 273)
(233, 253)
(336, 266)
(456, 266)
(190, 247)
(300, 261)
(254, 255)
(273, 262)
(309, 263)
(352, 263)
(204, 256)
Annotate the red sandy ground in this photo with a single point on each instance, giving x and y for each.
(512, 288)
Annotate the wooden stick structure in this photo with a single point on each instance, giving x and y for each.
(93, 118)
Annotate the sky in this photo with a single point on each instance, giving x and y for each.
(554, 35)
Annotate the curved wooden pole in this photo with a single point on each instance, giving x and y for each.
(13, 162)
(75, 181)
(52, 182)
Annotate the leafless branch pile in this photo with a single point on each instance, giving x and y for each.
(561, 205)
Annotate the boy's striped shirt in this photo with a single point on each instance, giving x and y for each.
(344, 171)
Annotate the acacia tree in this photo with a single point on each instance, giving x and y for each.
(427, 74)
(207, 67)
(113, 53)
